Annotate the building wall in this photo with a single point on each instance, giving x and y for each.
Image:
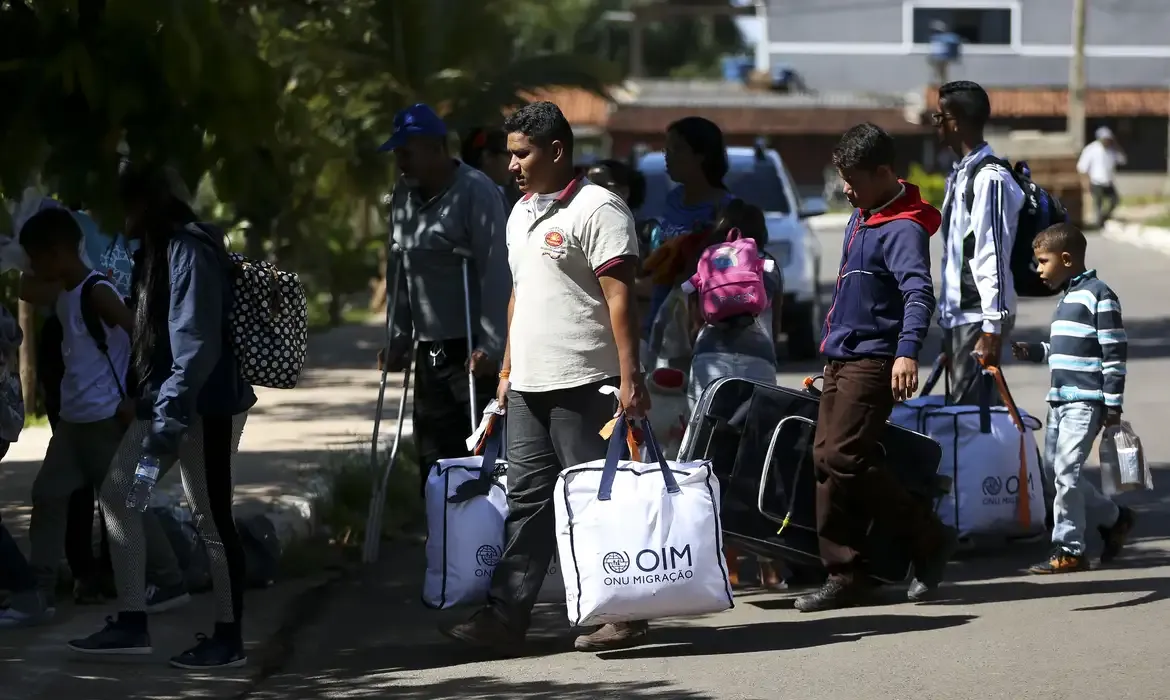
(869, 44)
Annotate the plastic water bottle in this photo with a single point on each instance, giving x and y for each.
(145, 477)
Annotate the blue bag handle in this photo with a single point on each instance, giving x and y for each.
(617, 443)
(495, 446)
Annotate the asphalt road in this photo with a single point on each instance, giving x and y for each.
(998, 635)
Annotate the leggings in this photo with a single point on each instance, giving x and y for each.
(205, 454)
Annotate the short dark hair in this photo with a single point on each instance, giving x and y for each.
(542, 123)
(749, 219)
(967, 101)
(622, 175)
(49, 229)
(864, 147)
(1062, 238)
(480, 141)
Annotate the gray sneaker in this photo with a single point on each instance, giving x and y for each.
(161, 599)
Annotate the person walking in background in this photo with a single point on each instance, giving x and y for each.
(486, 150)
(571, 330)
(191, 406)
(872, 337)
(696, 158)
(442, 209)
(1098, 168)
(977, 297)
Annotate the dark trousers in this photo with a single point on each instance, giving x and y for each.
(854, 487)
(79, 521)
(958, 344)
(441, 421)
(217, 457)
(1105, 200)
(547, 431)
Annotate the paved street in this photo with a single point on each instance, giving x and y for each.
(998, 635)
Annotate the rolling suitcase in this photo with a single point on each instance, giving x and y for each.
(759, 439)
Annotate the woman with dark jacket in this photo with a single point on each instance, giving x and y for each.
(190, 405)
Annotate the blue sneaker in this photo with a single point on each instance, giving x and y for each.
(211, 652)
(159, 599)
(116, 638)
(26, 610)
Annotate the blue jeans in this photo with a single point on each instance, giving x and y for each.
(1068, 439)
(708, 366)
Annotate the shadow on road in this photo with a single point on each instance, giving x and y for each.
(478, 688)
(780, 636)
(1154, 590)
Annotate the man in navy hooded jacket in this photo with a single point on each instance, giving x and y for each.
(873, 334)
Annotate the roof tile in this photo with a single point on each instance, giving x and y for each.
(1053, 102)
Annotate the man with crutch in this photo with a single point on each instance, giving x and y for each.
(450, 284)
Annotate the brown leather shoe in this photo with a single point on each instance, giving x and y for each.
(615, 635)
(485, 630)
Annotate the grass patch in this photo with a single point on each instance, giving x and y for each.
(1162, 220)
(318, 314)
(351, 484)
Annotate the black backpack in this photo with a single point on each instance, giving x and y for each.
(1040, 211)
(97, 330)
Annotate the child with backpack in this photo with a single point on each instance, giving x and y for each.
(732, 302)
(94, 413)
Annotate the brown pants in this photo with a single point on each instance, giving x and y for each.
(854, 487)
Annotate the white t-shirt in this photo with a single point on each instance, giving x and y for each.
(561, 336)
(1100, 163)
(90, 390)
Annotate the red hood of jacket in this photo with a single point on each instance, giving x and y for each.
(908, 206)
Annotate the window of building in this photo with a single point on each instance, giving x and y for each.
(986, 26)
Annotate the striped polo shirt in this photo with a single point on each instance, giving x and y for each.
(1087, 349)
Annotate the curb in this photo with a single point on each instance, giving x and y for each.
(1149, 237)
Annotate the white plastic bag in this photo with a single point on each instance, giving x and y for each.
(640, 541)
(1123, 462)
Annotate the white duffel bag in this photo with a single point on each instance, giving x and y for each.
(466, 507)
(991, 455)
(466, 503)
(640, 541)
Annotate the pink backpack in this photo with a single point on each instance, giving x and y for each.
(730, 279)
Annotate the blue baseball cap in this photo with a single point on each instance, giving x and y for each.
(416, 120)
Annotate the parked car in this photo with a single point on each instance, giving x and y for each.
(758, 177)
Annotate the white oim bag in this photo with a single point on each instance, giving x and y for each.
(991, 455)
(466, 507)
(640, 541)
(466, 503)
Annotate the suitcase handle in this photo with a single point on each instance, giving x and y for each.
(495, 447)
(810, 384)
(617, 442)
(1023, 500)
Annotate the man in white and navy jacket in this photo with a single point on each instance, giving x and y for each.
(977, 301)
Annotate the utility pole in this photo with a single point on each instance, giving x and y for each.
(1076, 78)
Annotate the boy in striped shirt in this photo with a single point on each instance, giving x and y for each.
(1086, 354)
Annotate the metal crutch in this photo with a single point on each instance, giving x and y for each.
(466, 255)
(378, 497)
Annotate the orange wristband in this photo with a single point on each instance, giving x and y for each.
(504, 373)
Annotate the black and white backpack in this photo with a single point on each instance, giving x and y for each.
(268, 322)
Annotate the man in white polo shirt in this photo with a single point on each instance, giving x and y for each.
(573, 253)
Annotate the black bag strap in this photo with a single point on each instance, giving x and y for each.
(495, 448)
(96, 328)
(986, 161)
